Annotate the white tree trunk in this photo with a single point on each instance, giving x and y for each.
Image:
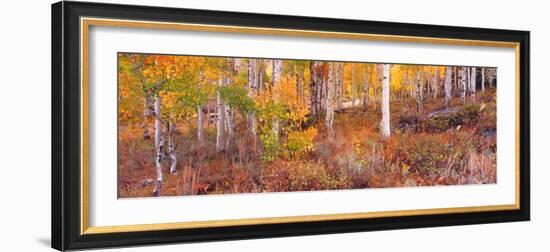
(220, 119)
(253, 83)
(417, 91)
(353, 87)
(208, 112)
(277, 71)
(159, 145)
(229, 125)
(339, 77)
(261, 73)
(329, 119)
(171, 148)
(448, 86)
(463, 84)
(365, 100)
(421, 84)
(200, 131)
(385, 122)
(147, 107)
(483, 80)
(473, 84)
(313, 88)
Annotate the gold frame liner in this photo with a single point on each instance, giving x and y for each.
(85, 24)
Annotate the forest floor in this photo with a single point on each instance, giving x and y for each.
(431, 147)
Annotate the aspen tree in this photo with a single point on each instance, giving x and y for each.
(385, 122)
(159, 145)
(220, 118)
(448, 86)
(329, 119)
(463, 86)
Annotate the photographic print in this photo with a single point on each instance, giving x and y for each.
(187, 125)
(195, 125)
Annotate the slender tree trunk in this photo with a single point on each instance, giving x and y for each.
(229, 120)
(353, 86)
(323, 90)
(330, 106)
(455, 69)
(159, 145)
(473, 84)
(421, 84)
(385, 122)
(277, 71)
(229, 125)
(463, 86)
(405, 82)
(339, 77)
(313, 88)
(261, 74)
(365, 99)
(171, 147)
(320, 85)
(483, 80)
(252, 89)
(300, 84)
(220, 119)
(208, 111)
(417, 91)
(147, 107)
(448, 86)
(436, 82)
(200, 131)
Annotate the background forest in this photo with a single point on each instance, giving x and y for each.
(212, 125)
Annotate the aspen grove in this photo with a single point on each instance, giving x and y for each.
(190, 125)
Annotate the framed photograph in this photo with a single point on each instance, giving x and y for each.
(181, 125)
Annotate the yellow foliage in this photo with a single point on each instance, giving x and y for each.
(287, 94)
(300, 142)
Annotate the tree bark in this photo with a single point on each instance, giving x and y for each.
(277, 71)
(353, 87)
(365, 98)
(200, 131)
(455, 69)
(323, 89)
(473, 84)
(339, 77)
(159, 145)
(448, 86)
(313, 85)
(220, 119)
(483, 80)
(421, 84)
(261, 74)
(329, 106)
(436, 82)
(300, 84)
(463, 86)
(171, 147)
(405, 82)
(252, 89)
(417, 91)
(229, 115)
(385, 122)
(229, 125)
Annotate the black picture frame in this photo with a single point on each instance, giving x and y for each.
(66, 114)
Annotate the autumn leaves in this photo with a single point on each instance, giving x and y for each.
(281, 108)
